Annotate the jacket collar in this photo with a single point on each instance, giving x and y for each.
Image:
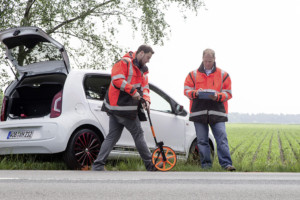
(202, 70)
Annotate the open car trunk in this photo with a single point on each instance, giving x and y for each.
(33, 96)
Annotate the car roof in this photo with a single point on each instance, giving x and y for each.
(89, 71)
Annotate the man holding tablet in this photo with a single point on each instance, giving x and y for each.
(209, 89)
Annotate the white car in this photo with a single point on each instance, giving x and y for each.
(50, 108)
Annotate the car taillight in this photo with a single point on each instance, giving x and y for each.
(56, 105)
(3, 109)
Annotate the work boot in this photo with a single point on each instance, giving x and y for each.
(98, 168)
(230, 168)
(153, 168)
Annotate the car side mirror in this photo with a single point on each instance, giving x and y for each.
(178, 109)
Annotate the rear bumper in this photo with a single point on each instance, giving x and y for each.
(46, 137)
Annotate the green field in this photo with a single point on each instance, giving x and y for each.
(253, 147)
(265, 147)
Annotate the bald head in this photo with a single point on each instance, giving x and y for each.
(209, 52)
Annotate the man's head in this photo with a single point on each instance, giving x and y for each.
(208, 58)
(144, 54)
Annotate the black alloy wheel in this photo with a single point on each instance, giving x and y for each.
(83, 149)
(194, 155)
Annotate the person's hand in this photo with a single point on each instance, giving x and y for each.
(214, 97)
(146, 105)
(136, 96)
(199, 90)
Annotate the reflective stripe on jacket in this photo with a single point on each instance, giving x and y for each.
(204, 110)
(126, 80)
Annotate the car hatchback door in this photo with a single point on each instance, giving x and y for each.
(31, 51)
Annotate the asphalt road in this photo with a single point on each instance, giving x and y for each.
(37, 185)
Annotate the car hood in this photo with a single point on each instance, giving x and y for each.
(32, 51)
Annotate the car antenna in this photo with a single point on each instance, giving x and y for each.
(11, 69)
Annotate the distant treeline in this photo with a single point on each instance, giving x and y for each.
(264, 118)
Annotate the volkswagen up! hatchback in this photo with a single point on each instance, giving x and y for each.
(50, 108)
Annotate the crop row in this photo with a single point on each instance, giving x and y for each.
(264, 147)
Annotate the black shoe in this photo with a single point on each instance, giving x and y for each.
(98, 169)
(230, 168)
(153, 168)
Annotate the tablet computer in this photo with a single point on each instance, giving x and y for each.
(205, 95)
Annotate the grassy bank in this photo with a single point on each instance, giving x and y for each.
(253, 147)
(32, 162)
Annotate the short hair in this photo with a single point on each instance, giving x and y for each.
(210, 52)
(145, 48)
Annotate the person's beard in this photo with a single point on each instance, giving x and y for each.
(141, 64)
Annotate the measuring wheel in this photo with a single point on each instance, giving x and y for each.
(164, 160)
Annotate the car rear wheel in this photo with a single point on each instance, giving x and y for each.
(82, 149)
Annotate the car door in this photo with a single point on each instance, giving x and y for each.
(168, 127)
(95, 86)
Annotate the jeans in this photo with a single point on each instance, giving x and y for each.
(220, 135)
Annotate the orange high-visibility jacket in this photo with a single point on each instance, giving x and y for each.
(126, 80)
(206, 110)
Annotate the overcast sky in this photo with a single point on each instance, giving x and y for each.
(257, 42)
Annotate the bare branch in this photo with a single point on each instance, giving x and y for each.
(26, 14)
(109, 13)
(76, 36)
(82, 15)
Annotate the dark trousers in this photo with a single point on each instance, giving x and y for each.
(116, 126)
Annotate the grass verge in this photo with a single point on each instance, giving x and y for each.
(254, 148)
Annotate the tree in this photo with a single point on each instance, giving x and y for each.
(93, 23)
(1, 97)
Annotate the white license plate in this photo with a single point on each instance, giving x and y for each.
(22, 134)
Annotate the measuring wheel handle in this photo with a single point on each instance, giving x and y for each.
(164, 158)
(160, 144)
(161, 147)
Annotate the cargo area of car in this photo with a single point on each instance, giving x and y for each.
(33, 96)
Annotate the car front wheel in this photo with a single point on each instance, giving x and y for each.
(83, 149)
(194, 155)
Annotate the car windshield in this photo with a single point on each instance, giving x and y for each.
(43, 51)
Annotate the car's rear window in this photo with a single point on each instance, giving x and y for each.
(43, 51)
(95, 86)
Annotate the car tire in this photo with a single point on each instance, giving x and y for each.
(83, 149)
(194, 155)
